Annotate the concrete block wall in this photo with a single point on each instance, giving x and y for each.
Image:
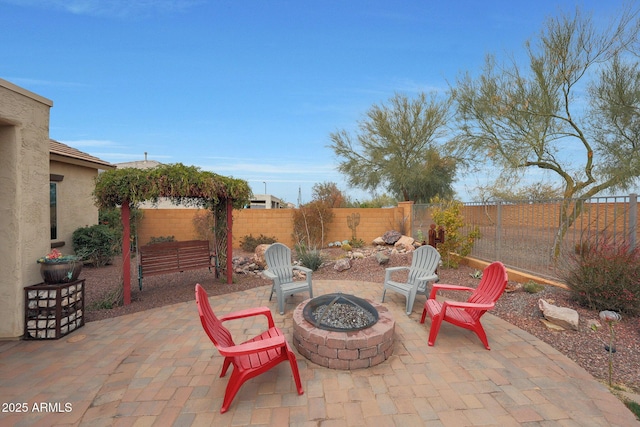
(167, 222)
(276, 223)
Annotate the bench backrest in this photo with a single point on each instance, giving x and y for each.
(169, 257)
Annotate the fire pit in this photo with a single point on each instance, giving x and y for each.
(340, 313)
(342, 331)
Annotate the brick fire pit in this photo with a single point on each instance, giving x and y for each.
(344, 350)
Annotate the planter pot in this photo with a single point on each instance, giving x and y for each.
(60, 272)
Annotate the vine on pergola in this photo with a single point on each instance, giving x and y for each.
(183, 185)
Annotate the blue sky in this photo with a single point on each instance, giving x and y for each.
(247, 88)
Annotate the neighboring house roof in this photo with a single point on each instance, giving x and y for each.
(63, 153)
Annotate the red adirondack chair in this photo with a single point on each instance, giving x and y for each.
(466, 314)
(251, 358)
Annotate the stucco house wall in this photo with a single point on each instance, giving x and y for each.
(76, 206)
(28, 161)
(24, 198)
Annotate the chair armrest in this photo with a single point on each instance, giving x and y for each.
(389, 270)
(302, 268)
(427, 278)
(476, 306)
(392, 269)
(269, 274)
(446, 287)
(253, 346)
(249, 312)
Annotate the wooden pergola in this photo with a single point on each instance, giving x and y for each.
(183, 185)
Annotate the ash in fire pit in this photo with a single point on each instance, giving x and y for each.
(341, 313)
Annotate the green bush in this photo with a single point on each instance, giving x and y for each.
(605, 276)
(96, 244)
(310, 258)
(532, 287)
(111, 217)
(356, 243)
(456, 245)
(161, 239)
(250, 243)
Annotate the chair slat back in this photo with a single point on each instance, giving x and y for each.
(219, 335)
(424, 262)
(492, 285)
(278, 258)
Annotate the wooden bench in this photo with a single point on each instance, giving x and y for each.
(173, 257)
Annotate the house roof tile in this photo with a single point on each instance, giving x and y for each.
(60, 149)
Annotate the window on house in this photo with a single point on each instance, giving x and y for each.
(53, 213)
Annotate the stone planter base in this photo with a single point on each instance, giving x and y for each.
(345, 350)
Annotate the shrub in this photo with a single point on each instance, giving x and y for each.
(310, 222)
(111, 217)
(250, 243)
(605, 276)
(310, 258)
(96, 244)
(532, 287)
(161, 239)
(448, 214)
(356, 243)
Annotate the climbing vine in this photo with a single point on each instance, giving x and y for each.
(183, 185)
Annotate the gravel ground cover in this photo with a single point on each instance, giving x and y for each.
(585, 346)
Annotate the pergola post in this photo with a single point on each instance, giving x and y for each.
(229, 242)
(126, 249)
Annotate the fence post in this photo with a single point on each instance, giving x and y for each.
(633, 220)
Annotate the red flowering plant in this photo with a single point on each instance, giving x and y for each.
(56, 257)
(605, 276)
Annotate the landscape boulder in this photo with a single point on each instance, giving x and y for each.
(378, 241)
(381, 258)
(258, 256)
(565, 317)
(391, 237)
(405, 242)
(342, 264)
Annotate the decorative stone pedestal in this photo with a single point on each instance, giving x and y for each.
(345, 350)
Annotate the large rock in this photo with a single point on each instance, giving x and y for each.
(342, 264)
(568, 318)
(378, 241)
(381, 258)
(391, 237)
(405, 242)
(258, 256)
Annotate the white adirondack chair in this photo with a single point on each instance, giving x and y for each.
(280, 271)
(423, 267)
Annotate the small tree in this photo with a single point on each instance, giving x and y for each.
(448, 214)
(310, 224)
(570, 111)
(397, 148)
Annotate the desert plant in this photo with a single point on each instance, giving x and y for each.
(448, 214)
(477, 274)
(356, 243)
(353, 221)
(606, 276)
(532, 287)
(310, 258)
(310, 223)
(250, 243)
(96, 244)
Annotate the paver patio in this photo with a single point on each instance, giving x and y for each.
(158, 368)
